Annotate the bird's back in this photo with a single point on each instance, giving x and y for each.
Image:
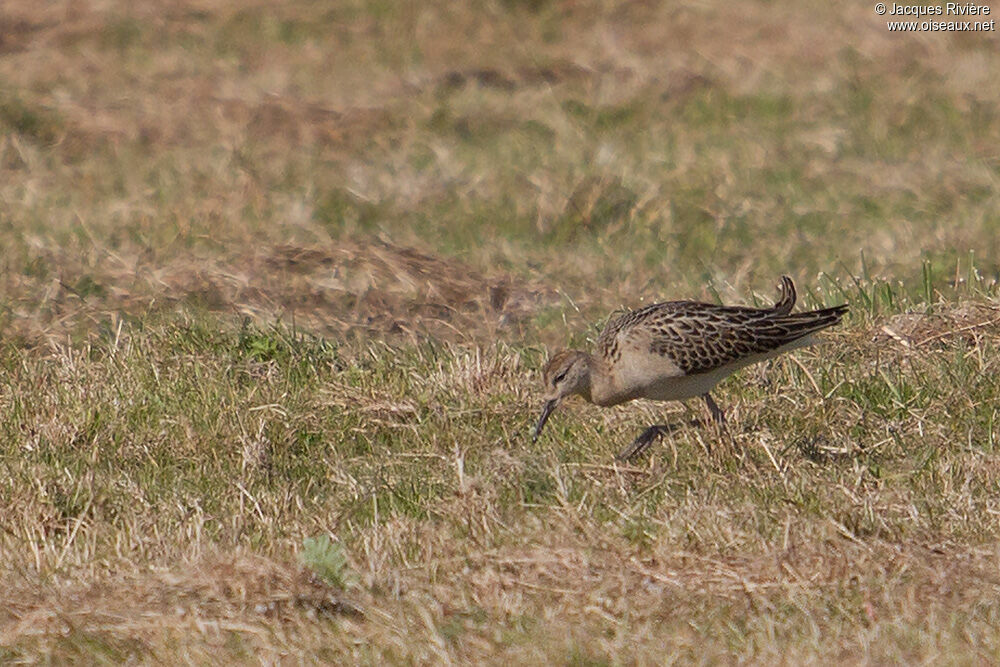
(701, 337)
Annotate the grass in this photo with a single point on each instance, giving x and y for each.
(278, 281)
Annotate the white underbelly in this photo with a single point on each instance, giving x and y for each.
(640, 375)
(685, 386)
(682, 387)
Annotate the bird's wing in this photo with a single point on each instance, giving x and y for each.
(700, 337)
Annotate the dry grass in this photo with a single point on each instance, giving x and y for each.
(278, 271)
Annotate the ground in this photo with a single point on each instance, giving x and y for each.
(278, 280)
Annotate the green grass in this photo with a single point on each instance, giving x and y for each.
(277, 285)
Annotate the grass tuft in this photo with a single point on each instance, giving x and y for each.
(327, 559)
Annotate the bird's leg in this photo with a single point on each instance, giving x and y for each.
(719, 420)
(647, 437)
(642, 443)
(717, 415)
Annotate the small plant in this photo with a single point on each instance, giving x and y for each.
(327, 560)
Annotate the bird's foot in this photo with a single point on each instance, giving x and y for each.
(718, 416)
(642, 443)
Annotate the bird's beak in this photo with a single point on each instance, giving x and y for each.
(547, 410)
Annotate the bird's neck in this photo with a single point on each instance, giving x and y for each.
(601, 389)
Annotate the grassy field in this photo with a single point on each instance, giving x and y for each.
(277, 281)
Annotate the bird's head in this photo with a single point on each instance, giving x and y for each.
(566, 373)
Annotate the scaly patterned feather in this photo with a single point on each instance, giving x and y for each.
(701, 337)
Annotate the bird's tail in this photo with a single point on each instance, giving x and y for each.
(788, 327)
(786, 297)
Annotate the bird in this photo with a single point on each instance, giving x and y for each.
(676, 350)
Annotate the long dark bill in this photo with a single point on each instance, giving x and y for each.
(550, 406)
